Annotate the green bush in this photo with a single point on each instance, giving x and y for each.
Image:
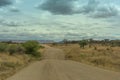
(29, 47)
(83, 43)
(3, 47)
(14, 48)
(20, 49)
(32, 47)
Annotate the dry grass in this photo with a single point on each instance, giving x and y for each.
(14, 57)
(101, 56)
(10, 64)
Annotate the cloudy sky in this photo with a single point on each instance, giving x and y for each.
(59, 19)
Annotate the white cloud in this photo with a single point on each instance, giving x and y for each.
(18, 1)
(48, 26)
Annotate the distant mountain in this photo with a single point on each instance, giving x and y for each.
(22, 41)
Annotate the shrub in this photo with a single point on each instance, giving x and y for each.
(95, 48)
(13, 48)
(31, 47)
(54, 44)
(3, 47)
(83, 43)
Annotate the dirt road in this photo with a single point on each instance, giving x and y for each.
(54, 67)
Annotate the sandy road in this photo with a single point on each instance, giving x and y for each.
(54, 67)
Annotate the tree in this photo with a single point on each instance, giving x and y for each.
(83, 43)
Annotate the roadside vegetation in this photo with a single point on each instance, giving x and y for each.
(14, 56)
(104, 53)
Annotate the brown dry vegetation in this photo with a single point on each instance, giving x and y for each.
(10, 64)
(13, 58)
(98, 55)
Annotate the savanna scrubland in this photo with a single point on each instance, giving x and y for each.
(15, 56)
(104, 54)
